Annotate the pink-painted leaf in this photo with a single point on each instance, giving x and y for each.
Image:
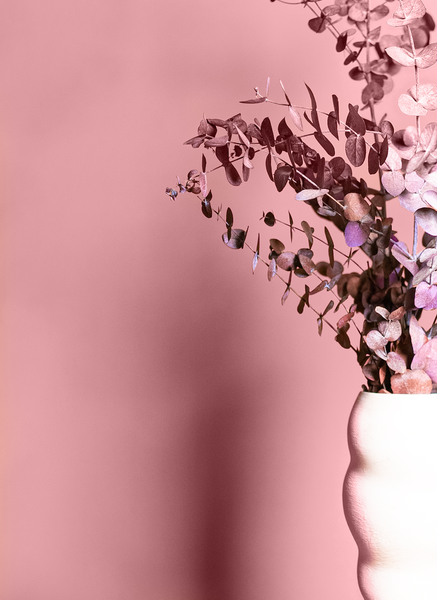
(430, 197)
(396, 362)
(425, 94)
(407, 13)
(401, 56)
(375, 340)
(393, 161)
(271, 271)
(401, 254)
(417, 335)
(310, 194)
(391, 330)
(203, 184)
(410, 201)
(295, 116)
(427, 56)
(427, 219)
(358, 12)
(413, 183)
(428, 139)
(394, 182)
(409, 106)
(254, 100)
(411, 382)
(426, 296)
(426, 359)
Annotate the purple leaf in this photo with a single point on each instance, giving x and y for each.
(356, 234)
(425, 296)
(426, 359)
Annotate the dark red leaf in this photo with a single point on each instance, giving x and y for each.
(232, 174)
(269, 166)
(267, 132)
(373, 159)
(341, 42)
(356, 150)
(355, 121)
(332, 124)
(206, 208)
(222, 154)
(236, 240)
(325, 143)
(281, 176)
(219, 141)
(383, 151)
(318, 24)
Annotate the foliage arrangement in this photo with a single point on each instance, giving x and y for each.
(378, 303)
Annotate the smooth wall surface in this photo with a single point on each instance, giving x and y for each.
(169, 430)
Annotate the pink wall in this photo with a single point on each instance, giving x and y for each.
(169, 430)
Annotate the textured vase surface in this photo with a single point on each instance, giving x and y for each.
(390, 495)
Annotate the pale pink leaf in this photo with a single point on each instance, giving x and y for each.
(427, 219)
(426, 359)
(375, 340)
(400, 252)
(427, 56)
(413, 183)
(425, 94)
(401, 56)
(391, 330)
(295, 116)
(394, 182)
(417, 335)
(393, 162)
(407, 13)
(203, 184)
(426, 296)
(271, 271)
(411, 382)
(430, 197)
(396, 362)
(310, 194)
(409, 106)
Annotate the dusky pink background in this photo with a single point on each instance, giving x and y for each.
(169, 430)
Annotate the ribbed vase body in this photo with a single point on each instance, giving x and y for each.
(390, 495)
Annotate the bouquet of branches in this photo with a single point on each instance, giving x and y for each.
(376, 301)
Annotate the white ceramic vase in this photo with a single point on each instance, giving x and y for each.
(390, 495)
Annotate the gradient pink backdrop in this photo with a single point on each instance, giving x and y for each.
(169, 430)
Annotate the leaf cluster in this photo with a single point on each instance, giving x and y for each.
(380, 302)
